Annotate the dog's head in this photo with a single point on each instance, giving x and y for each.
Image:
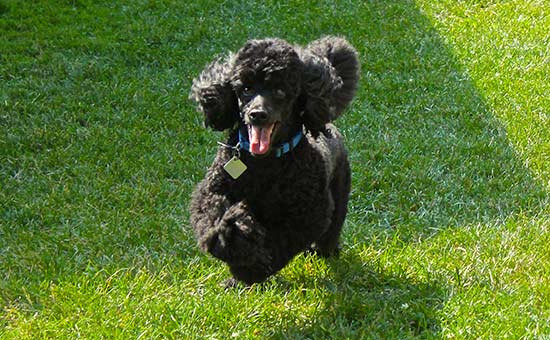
(267, 83)
(269, 89)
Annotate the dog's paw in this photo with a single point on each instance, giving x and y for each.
(230, 242)
(215, 246)
(236, 238)
(217, 243)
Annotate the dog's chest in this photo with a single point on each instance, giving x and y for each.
(277, 193)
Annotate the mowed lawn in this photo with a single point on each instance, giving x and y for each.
(449, 137)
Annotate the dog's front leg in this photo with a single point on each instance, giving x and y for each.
(228, 231)
(238, 238)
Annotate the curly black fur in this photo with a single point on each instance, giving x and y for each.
(280, 206)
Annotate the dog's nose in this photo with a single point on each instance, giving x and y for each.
(258, 116)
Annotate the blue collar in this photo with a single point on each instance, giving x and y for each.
(278, 150)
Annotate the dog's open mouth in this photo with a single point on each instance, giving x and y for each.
(260, 138)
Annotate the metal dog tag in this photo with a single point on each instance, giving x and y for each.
(235, 167)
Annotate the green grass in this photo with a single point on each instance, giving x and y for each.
(447, 235)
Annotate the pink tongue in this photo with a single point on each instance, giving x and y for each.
(260, 139)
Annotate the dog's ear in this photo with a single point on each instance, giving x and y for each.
(214, 95)
(330, 80)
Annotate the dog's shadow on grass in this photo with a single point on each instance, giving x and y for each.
(364, 300)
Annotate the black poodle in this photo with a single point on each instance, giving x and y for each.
(280, 183)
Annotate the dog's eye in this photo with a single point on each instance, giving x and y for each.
(248, 91)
